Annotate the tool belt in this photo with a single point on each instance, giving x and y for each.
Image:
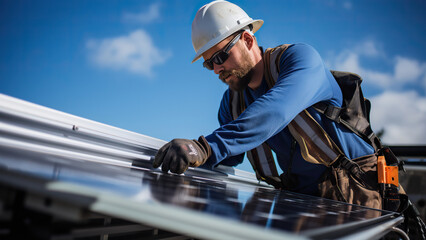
(353, 182)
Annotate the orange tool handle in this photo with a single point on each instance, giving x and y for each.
(387, 174)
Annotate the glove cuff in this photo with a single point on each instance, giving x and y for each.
(205, 146)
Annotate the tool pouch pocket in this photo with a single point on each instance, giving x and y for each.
(339, 184)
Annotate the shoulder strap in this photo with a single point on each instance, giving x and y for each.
(316, 146)
(355, 111)
(272, 71)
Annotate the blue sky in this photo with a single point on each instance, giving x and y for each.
(128, 63)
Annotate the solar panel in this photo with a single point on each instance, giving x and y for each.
(110, 173)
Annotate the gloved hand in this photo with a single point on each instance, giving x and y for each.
(179, 154)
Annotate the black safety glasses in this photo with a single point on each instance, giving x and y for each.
(221, 56)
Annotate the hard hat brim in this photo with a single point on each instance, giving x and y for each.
(255, 23)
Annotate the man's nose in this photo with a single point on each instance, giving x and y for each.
(217, 68)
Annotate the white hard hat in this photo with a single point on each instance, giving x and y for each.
(216, 21)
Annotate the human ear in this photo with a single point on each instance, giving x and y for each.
(248, 40)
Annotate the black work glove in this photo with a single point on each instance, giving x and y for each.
(179, 154)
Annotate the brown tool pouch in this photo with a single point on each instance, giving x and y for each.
(359, 187)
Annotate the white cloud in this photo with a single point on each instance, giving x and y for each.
(368, 48)
(402, 115)
(349, 58)
(135, 53)
(408, 69)
(348, 61)
(152, 14)
(405, 70)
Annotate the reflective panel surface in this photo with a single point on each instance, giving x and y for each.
(200, 191)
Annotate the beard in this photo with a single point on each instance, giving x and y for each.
(243, 74)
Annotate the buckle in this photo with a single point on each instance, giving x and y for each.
(333, 113)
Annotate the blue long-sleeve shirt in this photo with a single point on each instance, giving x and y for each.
(303, 81)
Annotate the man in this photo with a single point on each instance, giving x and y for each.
(286, 102)
(230, 49)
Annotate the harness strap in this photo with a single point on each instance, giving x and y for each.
(271, 73)
(234, 96)
(317, 147)
(330, 111)
(334, 113)
(263, 160)
(315, 144)
(261, 157)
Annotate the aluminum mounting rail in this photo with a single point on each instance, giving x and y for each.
(35, 128)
